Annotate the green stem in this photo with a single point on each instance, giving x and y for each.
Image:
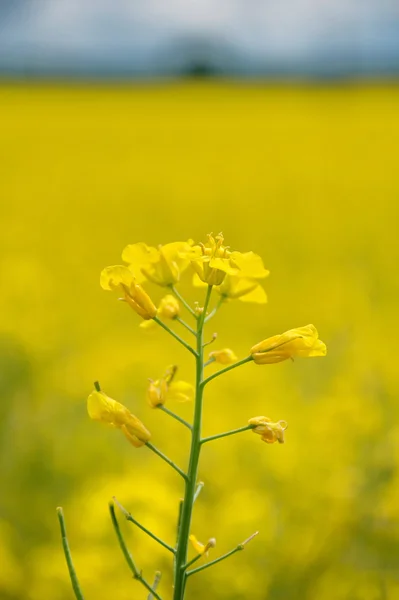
(192, 561)
(182, 300)
(229, 368)
(213, 562)
(214, 311)
(128, 557)
(130, 518)
(184, 531)
(209, 361)
(157, 579)
(227, 433)
(223, 557)
(166, 459)
(186, 325)
(175, 416)
(68, 557)
(177, 337)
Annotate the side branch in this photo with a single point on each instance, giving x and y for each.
(182, 300)
(229, 368)
(128, 557)
(175, 416)
(68, 557)
(227, 433)
(177, 337)
(217, 560)
(130, 518)
(167, 460)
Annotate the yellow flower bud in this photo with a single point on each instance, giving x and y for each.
(224, 357)
(102, 408)
(270, 432)
(302, 342)
(119, 278)
(169, 307)
(166, 389)
(202, 548)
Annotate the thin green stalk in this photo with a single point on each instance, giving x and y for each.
(177, 337)
(166, 459)
(186, 325)
(229, 368)
(182, 300)
(130, 518)
(214, 311)
(192, 561)
(175, 416)
(157, 579)
(227, 433)
(68, 557)
(177, 534)
(223, 557)
(128, 557)
(184, 532)
(198, 490)
(209, 361)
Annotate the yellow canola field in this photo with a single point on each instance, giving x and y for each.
(305, 176)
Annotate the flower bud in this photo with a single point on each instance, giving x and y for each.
(223, 357)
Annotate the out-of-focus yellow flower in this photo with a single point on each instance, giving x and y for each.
(169, 308)
(165, 389)
(202, 548)
(102, 408)
(270, 432)
(213, 261)
(242, 288)
(302, 341)
(237, 288)
(119, 278)
(224, 357)
(162, 265)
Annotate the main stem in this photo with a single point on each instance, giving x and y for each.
(184, 531)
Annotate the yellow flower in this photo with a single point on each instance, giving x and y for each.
(169, 308)
(213, 261)
(237, 288)
(119, 278)
(302, 341)
(165, 389)
(162, 265)
(202, 548)
(270, 432)
(102, 408)
(224, 357)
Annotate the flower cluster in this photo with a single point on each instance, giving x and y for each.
(232, 275)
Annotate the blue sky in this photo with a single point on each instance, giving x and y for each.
(169, 36)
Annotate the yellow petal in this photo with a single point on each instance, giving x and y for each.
(224, 357)
(198, 547)
(249, 265)
(180, 391)
(113, 277)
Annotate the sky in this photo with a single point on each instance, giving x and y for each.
(175, 36)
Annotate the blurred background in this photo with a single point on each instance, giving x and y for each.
(278, 124)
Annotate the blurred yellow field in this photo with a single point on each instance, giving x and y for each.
(305, 176)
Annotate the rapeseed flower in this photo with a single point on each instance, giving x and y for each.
(213, 260)
(302, 342)
(237, 288)
(162, 265)
(270, 432)
(202, 548)
(102, 408)
(169, 308)
(223, 357)
(119, 278)
(166, 389)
